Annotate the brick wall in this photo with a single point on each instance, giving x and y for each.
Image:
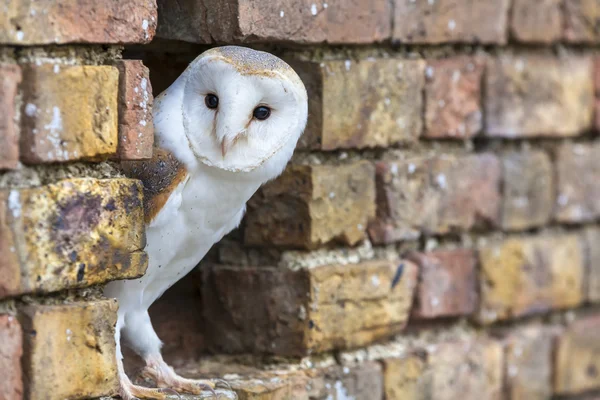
(435, 236)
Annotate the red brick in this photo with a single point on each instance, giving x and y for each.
(577, 358)
(453, 98)
(525, 276)
(528, 190)
(534, 95)
(389, 110)
(77, 21)
(447, 283)
(436, 195)
(304, 21)
(68, 113)
(309, 206)
(10, 77)
(11, 349)
(469, 370)
(539, 21)
(580, 20)
(469, 190)
(528, 363)
(578, 186)
(299, 312)
(73, 233)
(69, 350)
(136, 130)
(448, 21)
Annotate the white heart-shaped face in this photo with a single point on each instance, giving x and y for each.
(241, 106)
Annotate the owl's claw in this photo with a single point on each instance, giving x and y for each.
(224, 384)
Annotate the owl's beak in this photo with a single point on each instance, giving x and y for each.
(227, 143)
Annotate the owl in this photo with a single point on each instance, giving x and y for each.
(227, 125)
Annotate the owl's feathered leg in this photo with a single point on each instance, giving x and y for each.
(140, 336)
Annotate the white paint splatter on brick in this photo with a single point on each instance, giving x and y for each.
(14, 203)
(313, 9)
(30, 109)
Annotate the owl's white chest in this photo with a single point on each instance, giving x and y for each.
(199, 212)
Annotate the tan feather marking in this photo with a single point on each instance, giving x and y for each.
(160, 175)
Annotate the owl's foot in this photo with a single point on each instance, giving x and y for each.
(166, 377)
(129, 391)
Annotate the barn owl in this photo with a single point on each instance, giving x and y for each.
(227, 125)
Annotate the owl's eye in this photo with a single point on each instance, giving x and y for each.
(211, 101)
(261, 113)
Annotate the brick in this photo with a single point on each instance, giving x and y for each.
(177, 319)
(74, 233)
(591, 238)
(10, 77)
(538, 22)
(346, 21)
(450, 21)
(70, 350)
(136, 130)
(469, 370)
(447, 283)
(470, 191)
(524, 276)
(11, 349)
(435, 195)
(578, 187)
(580, 18)
(577, 358)
(82, 21)
(361, 381)
(312, 205)
(69, 113)
(528, 363)
(453, 98)
(528, 190)
(372, 102)
(285, 312)
(530, 96)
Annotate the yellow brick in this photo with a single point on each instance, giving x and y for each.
(70, 350)
(74, 233)
(69, 112)
(522, 276)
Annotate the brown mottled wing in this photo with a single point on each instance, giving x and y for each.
(160, 176)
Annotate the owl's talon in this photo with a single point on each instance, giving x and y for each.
(170, 391)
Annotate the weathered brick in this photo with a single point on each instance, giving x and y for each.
(42, 22)
(524, 276)
(68, 112)
(285, 312)
(361, 381)
(580, 21)
(529, 96)
(453, 98)
(528, 190)
(372, 102)
(591, 238)
(177, 319)
(10, 77)
(312, 205)
(578, 186)
(136, 130)
(435, 195)
(304, 21)
(447, 283)
(11, 349)
(528, 363)
(577, 358)
(469, 188)
(539, 21)
(469, 370)
(447, 21)
(70, 350)
(74, 233)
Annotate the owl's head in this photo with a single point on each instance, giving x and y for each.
(241, 106)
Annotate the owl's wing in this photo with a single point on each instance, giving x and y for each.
(163, 177)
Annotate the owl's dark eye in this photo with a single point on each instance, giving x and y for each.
(211, 101)
(261, 113)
